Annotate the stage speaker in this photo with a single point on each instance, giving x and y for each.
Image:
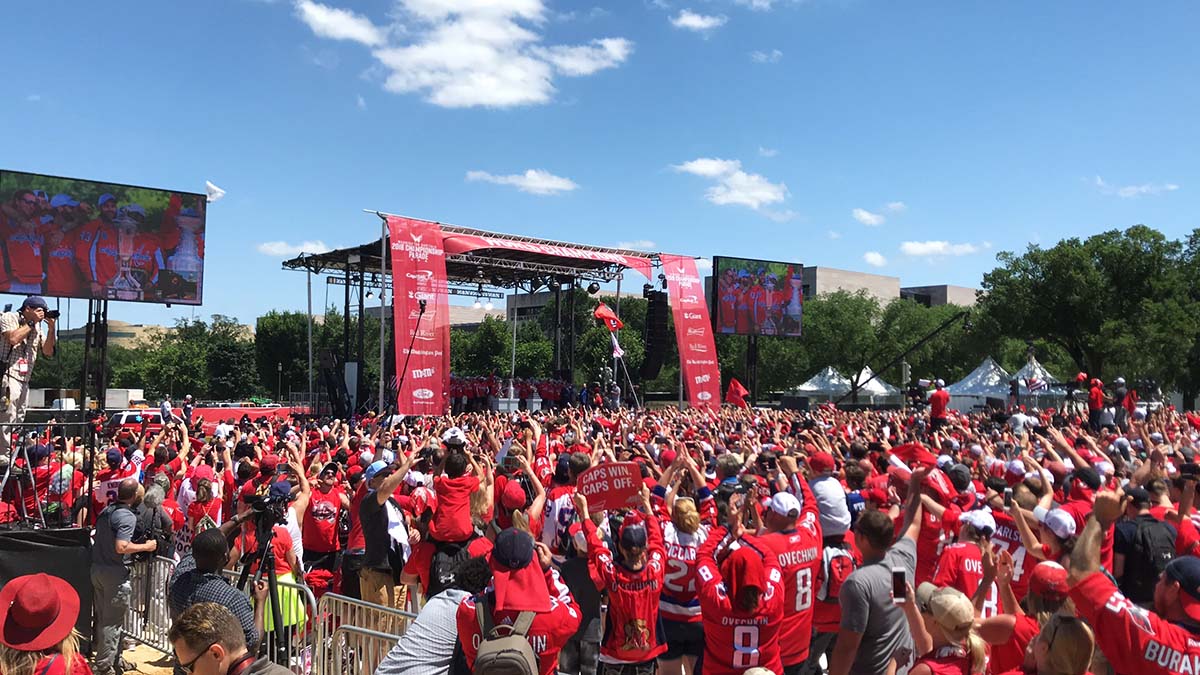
(794, 403)
(59, 553)
(655, 335)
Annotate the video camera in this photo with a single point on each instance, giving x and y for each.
(270, 509)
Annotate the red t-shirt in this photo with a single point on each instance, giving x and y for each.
(452, 519)
(320, 531)
(420, 563)
(1095, 398)
(948, 660)
(1080, 509)
(55, 664)
(929, 546)
(938, 401)
(735, 641)
(356, 541)
(1011, 654)
(961, 566)
(197, 510)
(281, 543)
(175, 513)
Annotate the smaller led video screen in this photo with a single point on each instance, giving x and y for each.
(757, 297)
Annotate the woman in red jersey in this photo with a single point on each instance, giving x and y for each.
(1063, 647)
(942, 624)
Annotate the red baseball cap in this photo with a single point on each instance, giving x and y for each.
(269, 463)
(204, 472)
(513, 496)
(1049, 580)
(821, 462)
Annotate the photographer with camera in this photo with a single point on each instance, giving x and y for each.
(19, 351)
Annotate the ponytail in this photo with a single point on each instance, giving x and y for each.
(204, 491)
(977, 650)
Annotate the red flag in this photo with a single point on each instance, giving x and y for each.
(914, 454)
(736, 394)
(609, 317)
(1131, 400)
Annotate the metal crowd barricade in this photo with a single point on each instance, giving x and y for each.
(149, 617)
(298, 606)
(358, 650)
(375, 621)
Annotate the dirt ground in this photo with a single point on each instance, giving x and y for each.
(148, 661)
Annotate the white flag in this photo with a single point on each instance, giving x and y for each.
(617, 351)
(214, 192)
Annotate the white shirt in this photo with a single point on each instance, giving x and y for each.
(427, 646)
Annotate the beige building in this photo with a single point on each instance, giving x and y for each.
(933, 296)
(822, 280)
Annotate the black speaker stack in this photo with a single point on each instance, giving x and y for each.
(654, 334)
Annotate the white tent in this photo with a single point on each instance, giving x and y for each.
(988, 380)
(1034, 370)
(828, 382)
(876, 387)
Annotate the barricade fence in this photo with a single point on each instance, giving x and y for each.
(338, 611)
(298, 608)
(359, 650)
(149, 616)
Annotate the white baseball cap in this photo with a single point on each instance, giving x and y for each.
(944, 460)
(785, 504)
(454, 436)
(980, 520)
(1060, 523)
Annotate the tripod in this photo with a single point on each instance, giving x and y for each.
(265, 534)
(22, 476)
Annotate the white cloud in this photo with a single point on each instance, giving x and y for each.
(701, 23)
(867, 218)
(896, 207)
(361, 102)
(533, 181)
(936, 248)
(282, 249)
(467, 53)
(33, 98)
(735, 186)
(1132, 191)
(772, 56)
(637, 245)
(834, 234)
(874, 259)
(767, 152)
(339, 24)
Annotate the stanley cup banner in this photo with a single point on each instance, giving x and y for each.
(693, 332)
(421, 314)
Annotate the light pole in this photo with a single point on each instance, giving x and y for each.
(279, 382)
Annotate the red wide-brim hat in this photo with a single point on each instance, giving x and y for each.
(37, 612)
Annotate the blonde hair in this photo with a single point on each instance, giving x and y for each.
(204, 491)
(1070, 644)
(685, 517)
(17, 662)
(520, 521)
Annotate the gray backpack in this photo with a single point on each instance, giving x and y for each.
(505, 649)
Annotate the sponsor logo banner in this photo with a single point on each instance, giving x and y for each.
(419, 274)
(693, 331)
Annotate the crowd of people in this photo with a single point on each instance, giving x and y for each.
(759, 540)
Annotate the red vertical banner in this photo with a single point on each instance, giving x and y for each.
(693, 331)
(421, 315)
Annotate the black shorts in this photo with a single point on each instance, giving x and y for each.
(683, 639)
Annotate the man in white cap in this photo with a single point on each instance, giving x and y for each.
(793, 530)
(961, 564)
(939, 400)
(19, 349)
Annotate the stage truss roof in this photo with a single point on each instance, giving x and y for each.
(494, 267)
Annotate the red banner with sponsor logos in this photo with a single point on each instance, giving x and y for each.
(693, 331)
(461, 243)
(421, 315)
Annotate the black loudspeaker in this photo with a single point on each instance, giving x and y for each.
(794, 403)
(59, 553)
(654, 335)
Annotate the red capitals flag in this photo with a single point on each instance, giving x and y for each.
(605, 314)
(914, 454)
(421, 315)
(693, 331)
(736, 394)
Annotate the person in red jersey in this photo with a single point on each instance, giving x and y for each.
(356, 543)
(523, 580)
(741, 597)
(961, 565)
(633, 636)
(792, 528)
(101, 228)
(1011, 632)
(25, 244)
(1135, 640)
(62, 273)
(205, 511)
(941, 621)
(1082, 485)
(452, 518)
(1064, 646)
(108, 480)
(728, 309)
(939, 401)
(320, 528)
(744, 320)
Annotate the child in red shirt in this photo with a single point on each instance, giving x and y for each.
(452, 517)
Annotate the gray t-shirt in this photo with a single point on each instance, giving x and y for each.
(867, 608)
(114, 524)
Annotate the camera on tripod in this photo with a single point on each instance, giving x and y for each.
(270, 509)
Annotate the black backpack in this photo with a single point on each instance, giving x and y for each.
(1153, 546)
(445, 559)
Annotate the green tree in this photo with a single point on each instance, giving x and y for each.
(282, 338)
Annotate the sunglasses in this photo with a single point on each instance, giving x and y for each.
(30, 202)
(191, 665)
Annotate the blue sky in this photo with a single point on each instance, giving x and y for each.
(911, 139)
